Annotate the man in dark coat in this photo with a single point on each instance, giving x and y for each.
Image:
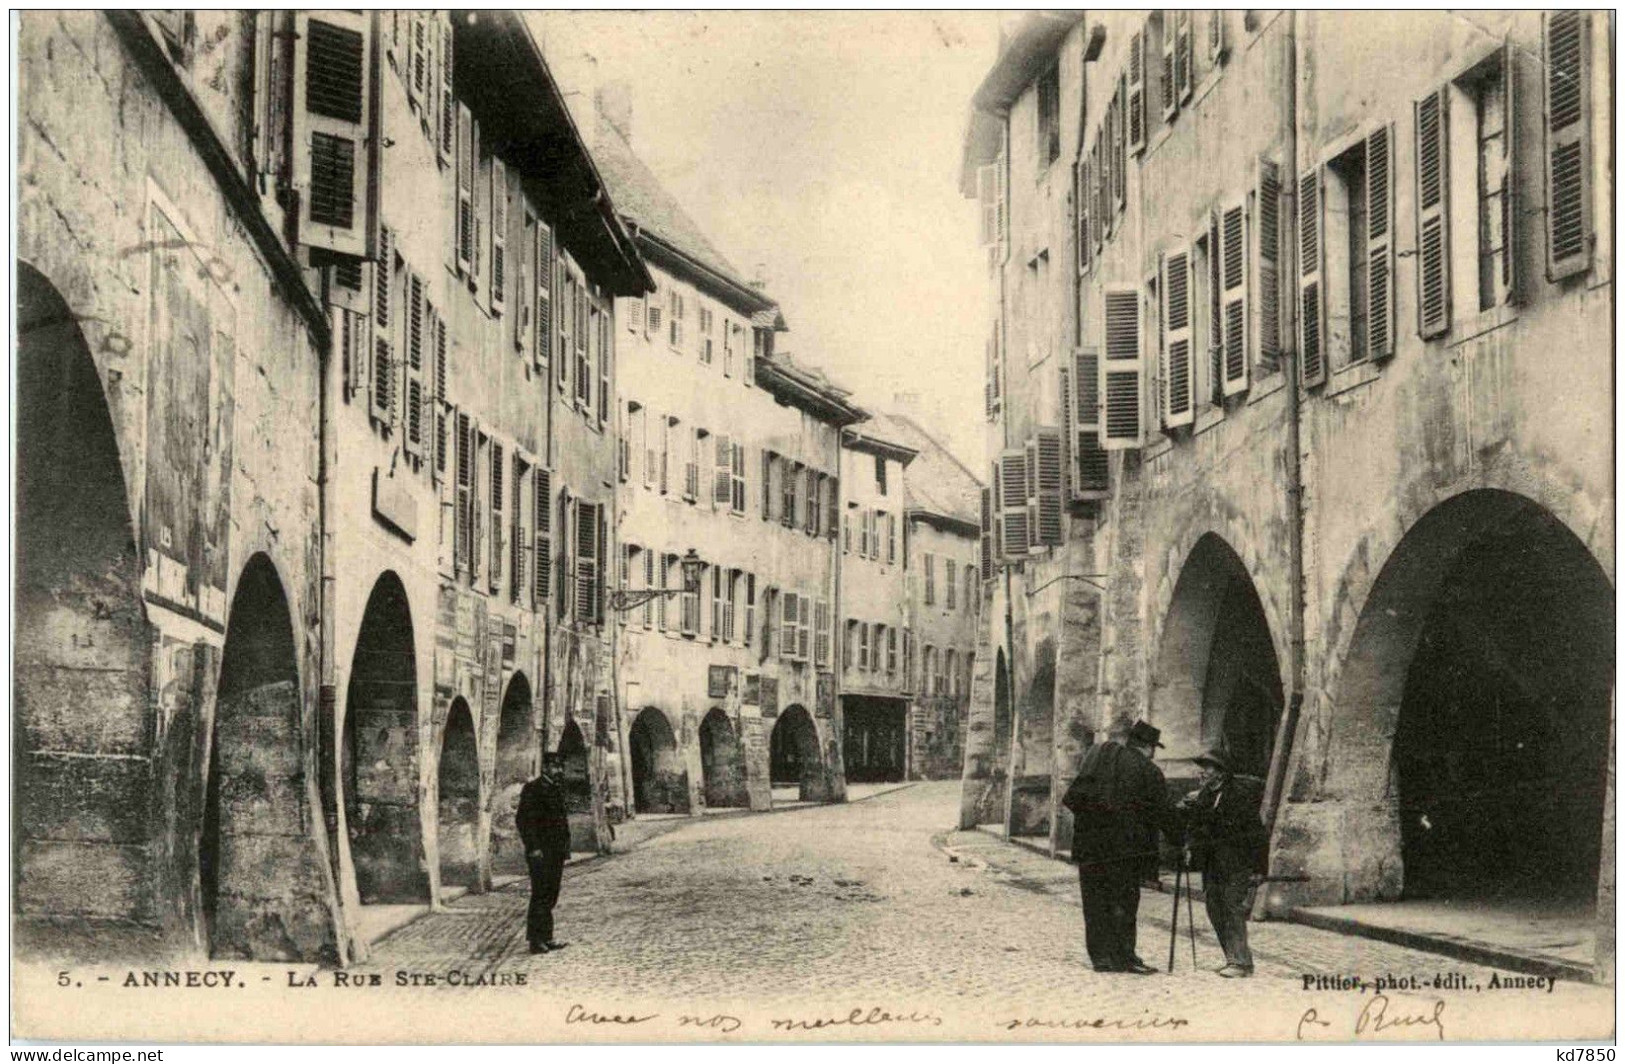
(544, 827)
(1229, 846)
(1119, 803)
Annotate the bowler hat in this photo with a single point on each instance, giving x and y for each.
(1145, 734)
(1214, 756)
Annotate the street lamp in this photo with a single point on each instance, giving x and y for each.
(621, 600)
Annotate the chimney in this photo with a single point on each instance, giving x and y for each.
(758, 280)
(614, 100)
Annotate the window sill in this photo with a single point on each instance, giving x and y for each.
(1206, 418)
(1484, 322)
(1349, 378)
(1160, 447)
(1267, 386)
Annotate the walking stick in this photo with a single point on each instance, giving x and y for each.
(1173, 935)
(1190, 918)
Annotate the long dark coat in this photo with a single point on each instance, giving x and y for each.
(543, 819)
(1119, 803)
(1227, 836)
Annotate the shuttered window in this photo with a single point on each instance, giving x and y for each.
(1186, 58)
(1088, 460)
(1136, 93)
(1168, 21)
(462, 533)
(1233, 301)
(1048, 484)
(414, 411)
(383, 355)
(498, 471)
(447, 134)
(1266, 288)
(987, 534)
(465, 189)
(1379, 249)
(333, 134)
(1566, 48)
(1178, 377)
(544, 296)
(1311, 287)
(1120, 370)
(1013, 503)
(1085, 243)
(588, 562)
(519, 545)
(1433, 214)
(499, 235)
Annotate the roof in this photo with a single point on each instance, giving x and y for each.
(938, 484)
(522, 110)
(1023, 54)
(807, 388)
(665, 231)
(880, 435)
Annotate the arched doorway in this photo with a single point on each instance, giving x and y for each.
(1217, 682)
(793, 757)
(574, 768)
(252, 848)
(1470, 728)
(81, 740)
(516, 766)
(459, 800)
(377, 755)
(990, 808)
(659, 778)
(1032, 760)
(722, 762)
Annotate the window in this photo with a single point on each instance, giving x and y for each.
(948, 585)
(706, 341)
(1049, 116)
(891, 651)
(719, 591)
(668, 456)
(631, 570)
(668, 567)
(908, 660)
(691, 605)
(970, 588)
(330, 138)
(770, 600)
(821, 647)
(698, 442)
(849, 648)
(677, 314)
(648, 581)
(1566, 48)
(929, 680)
(1354, 231)
(930, 579)
(737, 478)
(864, 631)
(950, 673)
(846, 547)
(815, 500)
(770, 465)
(880, 475)
(750, 607)
(891, 539)
(789, 475)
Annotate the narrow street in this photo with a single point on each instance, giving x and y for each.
(815, 912)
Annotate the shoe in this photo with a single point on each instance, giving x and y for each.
(1107, 968)
(538, 947)
(1231, 971)
(1139, 968)
(551, 946)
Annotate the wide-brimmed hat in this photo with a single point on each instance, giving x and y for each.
(1213, 756)
(1145, 734)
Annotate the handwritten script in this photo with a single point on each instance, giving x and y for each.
(1380, 1015)
(874, 1017)
(581, 1014)
(1096, 1023)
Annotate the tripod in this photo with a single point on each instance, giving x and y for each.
(1181, 881)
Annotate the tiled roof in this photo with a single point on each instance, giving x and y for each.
(936, 481)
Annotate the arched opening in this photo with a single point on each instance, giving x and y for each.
(459, 801)
(1032, 760)
(377, 758)
(793, 758)
(991, 806)
(1218, 682)
(516, 766)
(573, 765)
(722, 762)
(252, 848)
(1468, 748)
(659, 778)
(81, 740)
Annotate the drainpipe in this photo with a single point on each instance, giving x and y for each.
(837, 712)
(1275, 786)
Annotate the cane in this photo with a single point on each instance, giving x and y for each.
(1173, 935)
(1190, 918)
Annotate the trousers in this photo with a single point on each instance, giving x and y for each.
(1227, 899)
(546, 874)
(1111, 907)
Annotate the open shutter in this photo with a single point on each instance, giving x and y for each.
(1232, 251)
(1119, 147)
(332, 112)
(1311, 286)
(465, 189)
(1566, 45)
(1217, 43)
(1379, 200)
(1050, 482)
(415, 406)
(1013, 503)
(1266, 286)
(1088, 460)
(722, 472)
(383, 354)
(1085, 241)
(1186, 58)
(1433, 213)
(524, 290)
(1178, 380)
(498, 472)
(1136, 93)
(987, 534)
(1511, 226)
(587, 562)
(1120, 370)
(984, 195)
(544, 295)
(446, 136)
(499, 235)
(462, 533)
(1170, 64)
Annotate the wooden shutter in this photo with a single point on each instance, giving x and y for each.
(446, 136)
(1179, 378)
(1088, 460)
(1379, 213)
(1511, 226)
(1001, 205)
(985, 183)
(1013, 503)
(1311, 280)
(1085, 242)
(544, 295)
(543, 552)
(465, 189)
(498, 472)
(462, 533)
(499, 235)
(383, 354)
(587, 562)
(1566, 47)
(415, 405)
(1119, 147)
(1136, 93)
(1433, 213)
(524, 291)
(333, 139)
(1186, 59)
(1050, 486)
(606, 356)
(1170, 64)
(1266, 287)
(1120, 370)
(1233, 300)
(722, 472)
(1217, 45)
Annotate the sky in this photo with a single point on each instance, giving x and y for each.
(823, 148)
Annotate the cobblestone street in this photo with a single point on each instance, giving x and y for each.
(878, 903)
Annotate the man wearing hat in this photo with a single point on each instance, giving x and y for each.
(1119, 803)
(1229, 846)
(543, 821)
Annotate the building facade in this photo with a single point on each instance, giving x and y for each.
(1278, 463)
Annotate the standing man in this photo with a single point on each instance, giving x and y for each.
(1229, 847)
(544, 828)
(1119, 803)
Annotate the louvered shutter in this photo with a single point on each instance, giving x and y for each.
(984, 196)
(1120, 370)
(1088, 460)
(544, 295)
(1566, 47)
(524, 291)
(803, 637)
(1215, 318)
(519, 571)
(1136, 93)
(1233, 301)
(1170, 64)
(433, 328)
(787, 625)
(1266, 288)
(332, 141)
(987, 534)
(587, 561)
(383, 355)
(1030, 449)
(465, 189)
(1081, 205)
(462, 533)
(1013, 504)
(499, 235)
(1097, 197)
(722, 472)
(997, 502)
(1217, 43)
(1186, 58)
(1511, 225)
(1311, 282)
(1433, 213)
(1050, 478)
(446, 137)
(413, 413)
(498, 473)
(1379, 212)
(1178, 378)
(1119, 147)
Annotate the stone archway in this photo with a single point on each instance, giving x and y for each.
(459, 800)
(991, 805)
(1217, 681)
(793, 756)
(515, 766)
(1463, 754)
(82, 785)
(573, 766)
(659, 777)
(1033, 748)
(376, 759)
(722, 762)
